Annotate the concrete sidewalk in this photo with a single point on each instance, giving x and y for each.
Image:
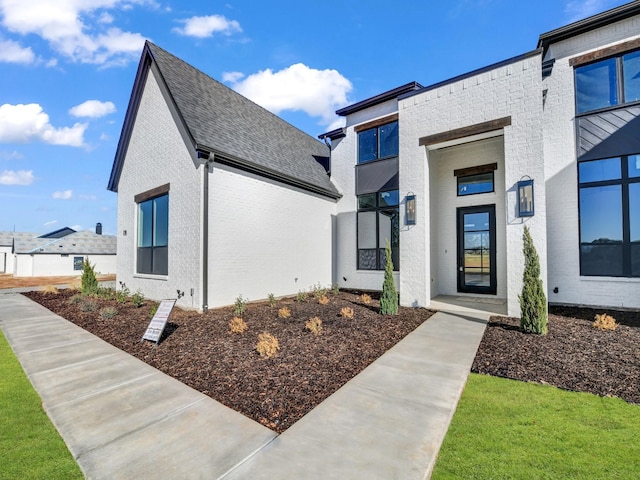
(123, 419)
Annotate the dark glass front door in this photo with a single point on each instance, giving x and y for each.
(477, 249)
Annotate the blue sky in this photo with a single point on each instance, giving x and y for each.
(67, 68)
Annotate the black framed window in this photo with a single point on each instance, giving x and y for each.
(153, 235)
(609, 192)
(77, 263)
(474, 184)
(378, 221)
(609, 82)
(378, 142)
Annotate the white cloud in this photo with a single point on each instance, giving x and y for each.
(62, 195)
(87, 197)
(579, 9)
(15, 155)
(77, 228)
(93, 109)
(232, 77)
(13, 52)
(72, 30)
(21, 177)
(28, 123)
(48, 224)
(203, 27)
(298, 87)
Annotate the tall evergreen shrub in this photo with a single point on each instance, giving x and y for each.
(533, 302)
(389, 298)
(88, 283)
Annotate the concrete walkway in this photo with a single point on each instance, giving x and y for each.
(123, 419)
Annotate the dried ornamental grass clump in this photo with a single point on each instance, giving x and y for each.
(108, 312)
(267, 345)
(50, 289)
(605, 322)
(75, 299)
(238, 325)
(88, 305)
(314, 325)
(284, 312)
(366, 299)
(346, 312)
(323, 300)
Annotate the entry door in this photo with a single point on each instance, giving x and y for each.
(477, 249)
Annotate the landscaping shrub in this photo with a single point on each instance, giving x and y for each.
(605, 322)
(389, 297)
(284, 312)
(267, 345)
(318, 291)
(50, 289)
(88, 282)
(153, 309)
(301, 296)
(272, 300)
(366, 298)
(335, 289)
(240, 305)
(108, 312)
(314, 325)
(137, 299)
(346, 312)
(123, 294)
(323, 300)
(238, 325)
(75, 299)
(105, 293)
(88, 305)
(533, 302)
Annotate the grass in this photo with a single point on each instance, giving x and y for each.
(509, 429)
(30, 446)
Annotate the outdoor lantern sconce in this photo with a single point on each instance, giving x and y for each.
(410, 205)
(525, 198)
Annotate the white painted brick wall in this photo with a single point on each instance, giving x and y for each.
(562, 176)
(158, 155)
(51, 264)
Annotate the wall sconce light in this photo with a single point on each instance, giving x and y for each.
(525, 197)
(410, 209)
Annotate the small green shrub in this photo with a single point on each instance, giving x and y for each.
(533, 302)
(389, 297)
(137, 299)
(153, 309)
(88, 305)
(108, 312)
(318, 291)
(240, 305)
(335, 289)
(88, 282)
(105, 293)
(75, 299)
(301, 296)
(267, 345)
(272, 300)
(123, 294)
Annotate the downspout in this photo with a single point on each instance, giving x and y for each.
(207, 159)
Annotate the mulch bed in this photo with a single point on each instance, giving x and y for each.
(573, 355)
(199, 350)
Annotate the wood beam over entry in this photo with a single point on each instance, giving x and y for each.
(469, 131)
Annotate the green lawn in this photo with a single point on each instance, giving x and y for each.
(508, 429)
(30, 447)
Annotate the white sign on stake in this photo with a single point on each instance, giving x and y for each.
(159, 321)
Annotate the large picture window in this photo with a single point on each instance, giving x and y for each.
(378, 221)
(153, 235)
(609, 82)
(610, 217)
(378, 142)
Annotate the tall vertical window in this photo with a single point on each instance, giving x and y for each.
(378, 142)
(378, 221)
(609, 82)
(610, 216)
(153, 235)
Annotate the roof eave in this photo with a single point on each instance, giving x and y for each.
(378, 99)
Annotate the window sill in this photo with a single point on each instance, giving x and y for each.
(375, 271)
(610, 279)
(149, 276)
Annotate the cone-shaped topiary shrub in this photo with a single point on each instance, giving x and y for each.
(389, 297)
(88, 283)
(533, 302)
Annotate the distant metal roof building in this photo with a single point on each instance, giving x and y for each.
(236, 130)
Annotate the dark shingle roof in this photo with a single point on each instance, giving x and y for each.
(235, 129)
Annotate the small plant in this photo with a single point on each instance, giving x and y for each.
(88, 282)
(318, 291)
(533, 302)
(137, 299)
(238, 325)
(123, 293)
(284, 312)
(267, 345)
(346, 312)
(335, 289)
(108, 312)
(88, 305)
(301, 296)
(240, 305)
(366, 298)
(389, 297)
(605, 322)
(75, 299)
(153, 309)
(50, 289)
(272, 300)
(323, 300)
(314, 325)
(105, 293)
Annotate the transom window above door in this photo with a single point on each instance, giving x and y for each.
(475, 180)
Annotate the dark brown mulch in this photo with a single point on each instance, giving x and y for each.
(573, 355)
(199, 350)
